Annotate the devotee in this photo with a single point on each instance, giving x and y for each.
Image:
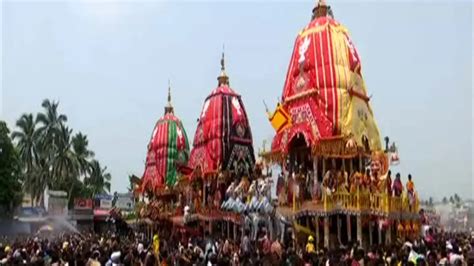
(310, 245)
(410, 190)
(388, 183)
(397, 186)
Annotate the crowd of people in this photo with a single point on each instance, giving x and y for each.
(435, 248)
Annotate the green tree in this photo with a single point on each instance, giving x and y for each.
(26, 139)
(99, 180)
(51, 133)
(430, 202)
(50, 124)
(82, 153)
(10, 173)
(55, 158)
(445, 200)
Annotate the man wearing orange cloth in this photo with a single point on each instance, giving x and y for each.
(410, 190)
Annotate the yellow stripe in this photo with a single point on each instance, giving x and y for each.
(319, 28)
(335, 60)
(342, 56)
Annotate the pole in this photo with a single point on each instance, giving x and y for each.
(326, 232)
(349, 228)
(339, 225)
(359, 229)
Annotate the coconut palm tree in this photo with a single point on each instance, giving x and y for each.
(64, 165)
(49, 124)
(26, 138)
(99, 180)
(82, 153)
(52, 135)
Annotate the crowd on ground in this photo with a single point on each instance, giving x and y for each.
(435, 248)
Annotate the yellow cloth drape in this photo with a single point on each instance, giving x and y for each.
(280, 119)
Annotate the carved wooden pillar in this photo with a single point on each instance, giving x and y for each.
(324, 166)
(316, 226)
(379, 234)
(203, 193)
(315, 169)
(339, 225)
(388, 234)
(235, 232)
(349, 228)
(351, 166)
(359, 229)
(371, 237)
(326, 231)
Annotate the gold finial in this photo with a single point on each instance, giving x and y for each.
(169, 107)
(223, 79)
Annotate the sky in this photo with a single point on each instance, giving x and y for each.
(108, 63)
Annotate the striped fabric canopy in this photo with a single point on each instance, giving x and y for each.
(223, 139)
(168, 148)
(324, 92)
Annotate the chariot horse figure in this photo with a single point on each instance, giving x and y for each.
(229, 194)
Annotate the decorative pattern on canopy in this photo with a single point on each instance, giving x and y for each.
(168, 149)
(223, 139)
(324, 91)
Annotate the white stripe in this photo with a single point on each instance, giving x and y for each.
(324, 75)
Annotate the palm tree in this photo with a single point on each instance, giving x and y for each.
(50, 123)
(64, 166)
(52, 134)
(457, 199)
(431, 202)
(99, 180)
(26, 138)
(445, 200)
(82, 153)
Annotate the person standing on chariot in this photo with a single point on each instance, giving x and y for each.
(397, 186)
(388, 183)
(410, 190)
(291, 188)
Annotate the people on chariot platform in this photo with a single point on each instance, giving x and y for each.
(366, 179)
(397, 186)
(410, 190)
(330, 179)
(290, 189)
(388, 183)
(316, 192)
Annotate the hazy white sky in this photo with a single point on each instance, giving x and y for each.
(108, 63)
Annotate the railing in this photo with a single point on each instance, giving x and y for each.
(363, 200)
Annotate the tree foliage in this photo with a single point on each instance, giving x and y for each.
(55, 158)
(10, 173)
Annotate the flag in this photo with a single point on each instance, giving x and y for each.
(280, 119)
